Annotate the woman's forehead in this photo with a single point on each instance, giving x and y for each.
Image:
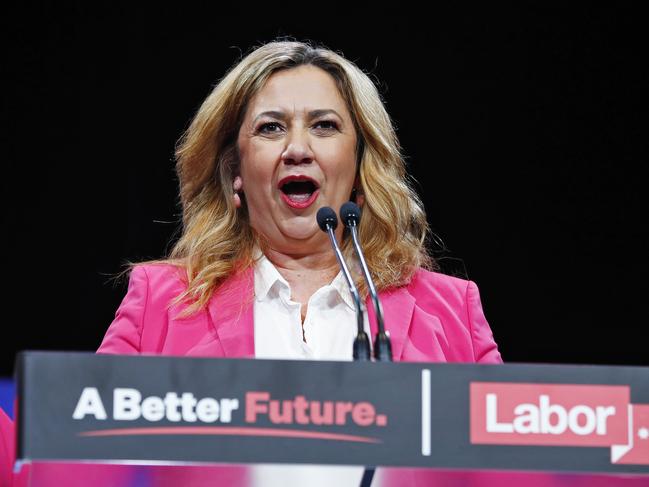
(302, 91)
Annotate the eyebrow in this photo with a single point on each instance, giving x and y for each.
(311, 115)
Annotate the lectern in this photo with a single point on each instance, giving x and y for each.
(84, 419)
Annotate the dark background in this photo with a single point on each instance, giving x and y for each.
(525, 129)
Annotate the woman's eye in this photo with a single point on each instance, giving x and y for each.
(275, 128)
(270, 128)
(327, 124)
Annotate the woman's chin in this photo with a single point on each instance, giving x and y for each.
(301, 236)
(302, 233)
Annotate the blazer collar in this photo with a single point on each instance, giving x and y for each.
(231, 311)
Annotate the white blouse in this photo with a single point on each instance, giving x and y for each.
(329, 325)
(329, 332)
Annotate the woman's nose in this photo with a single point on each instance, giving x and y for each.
(298, 150)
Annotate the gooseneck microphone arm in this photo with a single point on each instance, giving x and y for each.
(328, 221)
(350, 214)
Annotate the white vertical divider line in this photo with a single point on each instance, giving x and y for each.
(425, 412)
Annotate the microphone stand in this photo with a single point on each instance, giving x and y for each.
(328, 221)
(350, 215)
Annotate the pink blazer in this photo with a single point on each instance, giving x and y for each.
(436, 318)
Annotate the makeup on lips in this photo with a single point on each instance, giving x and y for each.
(298, 191)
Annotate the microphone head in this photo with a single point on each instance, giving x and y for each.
(350, 212)
(326, 217)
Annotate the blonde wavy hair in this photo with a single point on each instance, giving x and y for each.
(217, 240)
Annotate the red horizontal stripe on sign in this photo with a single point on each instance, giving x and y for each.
(230, 431)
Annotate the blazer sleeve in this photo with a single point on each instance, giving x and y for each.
(124, 336)
(485, 349)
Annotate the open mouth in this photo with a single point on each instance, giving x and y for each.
(298, 191)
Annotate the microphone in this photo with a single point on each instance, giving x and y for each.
(328, 221)
(350, 214)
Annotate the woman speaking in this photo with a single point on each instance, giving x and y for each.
(290, 129)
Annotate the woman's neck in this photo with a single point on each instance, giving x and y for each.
(305, 273)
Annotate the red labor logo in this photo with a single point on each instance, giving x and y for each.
(508, 413)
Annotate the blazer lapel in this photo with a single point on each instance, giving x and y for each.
(231, 313)
(398, 306)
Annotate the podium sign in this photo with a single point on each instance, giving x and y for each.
(155, 409)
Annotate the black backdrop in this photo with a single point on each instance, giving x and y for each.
(526, 131)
